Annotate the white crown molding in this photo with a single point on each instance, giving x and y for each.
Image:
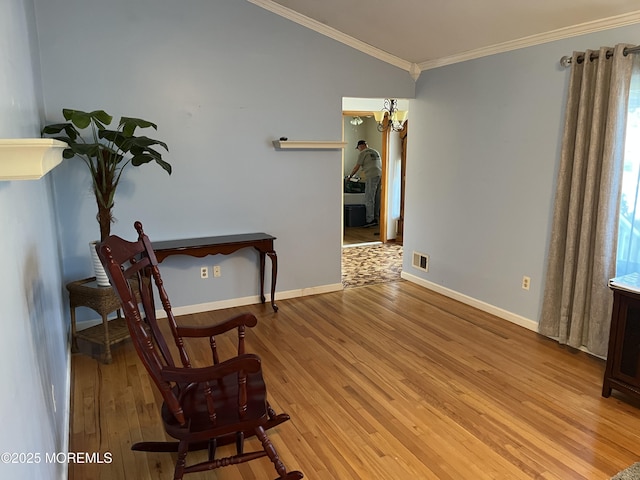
(530, 41)
(29, 158)
(415, 69)
(336, 35)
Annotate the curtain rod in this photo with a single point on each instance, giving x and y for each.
(566, 60)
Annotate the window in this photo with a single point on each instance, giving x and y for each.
(628, 256)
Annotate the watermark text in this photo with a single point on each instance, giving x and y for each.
(55, 457)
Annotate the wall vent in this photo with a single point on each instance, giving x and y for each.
(420, 261)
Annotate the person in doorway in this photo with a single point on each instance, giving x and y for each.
(370, 162)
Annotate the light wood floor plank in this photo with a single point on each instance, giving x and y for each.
(389, 381)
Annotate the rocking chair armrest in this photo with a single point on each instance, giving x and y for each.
(248, 363)
(246, 319)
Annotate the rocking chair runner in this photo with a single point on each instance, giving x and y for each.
(203, 407)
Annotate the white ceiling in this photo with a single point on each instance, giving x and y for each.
(420, 34)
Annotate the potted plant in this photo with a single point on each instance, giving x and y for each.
(106, 152)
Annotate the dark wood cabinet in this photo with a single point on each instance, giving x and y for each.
(622, 372)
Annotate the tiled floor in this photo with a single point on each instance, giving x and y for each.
(369, 264)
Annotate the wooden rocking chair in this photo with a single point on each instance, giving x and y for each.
(204, 407)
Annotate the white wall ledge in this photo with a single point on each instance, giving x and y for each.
(308, 145)
(29, 158)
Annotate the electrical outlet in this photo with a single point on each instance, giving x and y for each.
(217, 272)
(204, 272)
(526, 282)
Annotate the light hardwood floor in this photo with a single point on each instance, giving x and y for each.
(388, 381)
(356, 235)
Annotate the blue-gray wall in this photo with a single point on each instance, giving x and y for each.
(222, 79)
(33, 345)
(482, 158)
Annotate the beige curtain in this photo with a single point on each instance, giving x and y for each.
(582, 251)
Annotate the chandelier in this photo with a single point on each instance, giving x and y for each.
(356, 121)
(390, 117)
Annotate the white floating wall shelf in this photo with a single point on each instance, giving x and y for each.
(307, 145)
(29, 158)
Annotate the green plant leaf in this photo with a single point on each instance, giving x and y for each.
(129, 144)
(101, 117)
(165, 165)
(80, 119)
(106, 153)
(55, 128)
(138, 160)
(89, 149)
(83, 119)
(128, 125)
(135, 151)
(144, 142)
(115, 137)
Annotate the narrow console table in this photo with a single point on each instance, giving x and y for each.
(226, 244)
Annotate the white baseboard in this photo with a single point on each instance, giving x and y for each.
(217, 305)
(302, 292)
(233, 302)
(485, 307)
(239, 302)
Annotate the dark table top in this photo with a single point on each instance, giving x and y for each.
(209, 241)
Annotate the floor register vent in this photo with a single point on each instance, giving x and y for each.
(420, 261)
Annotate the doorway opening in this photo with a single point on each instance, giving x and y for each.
(376, 250)
(361, 125)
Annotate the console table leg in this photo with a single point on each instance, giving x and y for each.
(274, 276)
(262, 255)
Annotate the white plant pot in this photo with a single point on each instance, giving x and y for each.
(98, 270)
